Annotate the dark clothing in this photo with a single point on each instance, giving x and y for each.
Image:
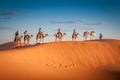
(16, 34)
(100, 36)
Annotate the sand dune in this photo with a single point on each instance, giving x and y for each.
(11, 45)
(6, 46)
(62, 60)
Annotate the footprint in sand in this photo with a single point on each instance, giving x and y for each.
(60, 65)
(66, 66)
(47, 64)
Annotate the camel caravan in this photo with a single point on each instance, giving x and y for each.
(58, 37)
(92, 35)
(17, 39)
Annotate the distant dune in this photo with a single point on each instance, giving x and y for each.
(69, 60)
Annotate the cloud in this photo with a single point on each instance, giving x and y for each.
(86, 28)
(7, 28)
(8, 15)
(94, 24)
(67, 22)
(5, 17)
(78, 21)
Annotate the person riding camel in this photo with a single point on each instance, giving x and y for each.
(25, 33)
(16, 33)
(74, 32)
(40, 32)
(59, 32)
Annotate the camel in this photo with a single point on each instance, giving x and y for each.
(59, 36)
(41, 36)
(74, 36)
(27, 38)
(92, 34)
(17, 40)
(85, 35)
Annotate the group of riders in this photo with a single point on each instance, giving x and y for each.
(41, 33)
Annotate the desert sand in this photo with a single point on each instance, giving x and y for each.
(67, 60)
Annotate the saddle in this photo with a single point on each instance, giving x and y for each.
(27, 36)
(75, 34)
(59, 33)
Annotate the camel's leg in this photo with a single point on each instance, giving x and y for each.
(55, 39)
(86, 38)
(39, 40)
(16, 44)
(83, 37)
(91, 37)
(42, 40)
(20, 43)
(59, 39)
(36, 40)
(74, 39)
(24, 41)
(27, 42)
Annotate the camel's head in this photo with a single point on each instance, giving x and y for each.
(46, 35)
(86, 32)
(21, 36)
(92, 31)
(64, 33)
(31, 35)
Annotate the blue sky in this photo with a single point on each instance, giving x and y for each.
(102, 16)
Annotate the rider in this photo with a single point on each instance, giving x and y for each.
(40, 32)
(74, 32)
(25, 33)
(16, 34)
(59, 32)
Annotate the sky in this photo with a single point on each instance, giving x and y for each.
(102, 16)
